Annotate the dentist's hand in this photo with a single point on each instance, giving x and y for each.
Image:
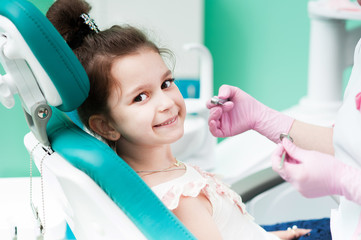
(242, 113)
(316, 174)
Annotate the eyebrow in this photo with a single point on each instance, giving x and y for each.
(140, 87)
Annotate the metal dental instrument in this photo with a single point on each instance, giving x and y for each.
(218, 101)
(283, 135)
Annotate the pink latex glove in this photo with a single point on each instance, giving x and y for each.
(242, 113)
(316, 174)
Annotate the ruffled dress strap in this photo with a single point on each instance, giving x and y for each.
(215, 186)
(191, 184)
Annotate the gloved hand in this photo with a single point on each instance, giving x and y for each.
(242, 112)
(316, 174)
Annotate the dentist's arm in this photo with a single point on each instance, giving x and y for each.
(312, 137)
(242, 113)
(316, 174)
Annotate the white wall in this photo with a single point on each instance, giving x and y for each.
(169, 23)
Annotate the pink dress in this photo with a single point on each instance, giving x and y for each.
(229, 212)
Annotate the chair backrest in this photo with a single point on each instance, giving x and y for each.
(31, 45)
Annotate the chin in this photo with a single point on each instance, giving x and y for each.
(177, 136)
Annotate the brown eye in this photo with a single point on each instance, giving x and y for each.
(167, 83)
(141, 97)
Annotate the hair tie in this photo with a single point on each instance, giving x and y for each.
(90, 22)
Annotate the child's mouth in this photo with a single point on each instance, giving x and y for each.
(168, 122)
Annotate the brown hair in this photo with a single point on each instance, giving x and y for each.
(96, 51)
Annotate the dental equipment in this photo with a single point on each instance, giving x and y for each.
(282, 136)
(218, 101)
(197, 145)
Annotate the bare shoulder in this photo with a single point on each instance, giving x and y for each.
(196, 214)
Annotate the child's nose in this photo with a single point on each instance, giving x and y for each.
(165, 102)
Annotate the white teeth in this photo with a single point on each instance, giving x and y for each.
(169, 122)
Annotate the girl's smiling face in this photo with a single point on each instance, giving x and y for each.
(146, 106)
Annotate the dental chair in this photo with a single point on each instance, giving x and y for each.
(101, 196)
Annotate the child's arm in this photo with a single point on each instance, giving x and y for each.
(293, 234)
(196, 214)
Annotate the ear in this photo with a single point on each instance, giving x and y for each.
(103, 127)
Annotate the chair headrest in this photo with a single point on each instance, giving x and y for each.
(50, 50)
(40, 67)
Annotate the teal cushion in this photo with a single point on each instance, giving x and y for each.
(52, 52)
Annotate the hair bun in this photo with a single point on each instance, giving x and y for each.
(65, 15)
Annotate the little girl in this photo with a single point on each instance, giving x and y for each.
(134, 106)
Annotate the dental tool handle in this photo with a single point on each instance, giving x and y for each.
(283, 135)
(282, 160)
(218, 101)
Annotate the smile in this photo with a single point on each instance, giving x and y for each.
(168, 122)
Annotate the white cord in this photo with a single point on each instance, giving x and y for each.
(48, 151)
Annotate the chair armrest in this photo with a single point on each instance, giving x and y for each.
(256, 183)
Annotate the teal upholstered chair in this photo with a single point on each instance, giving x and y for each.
(102, 197)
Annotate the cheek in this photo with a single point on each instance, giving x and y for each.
(129, 120)
(180, 102)
(139, 119)
(135, 126)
